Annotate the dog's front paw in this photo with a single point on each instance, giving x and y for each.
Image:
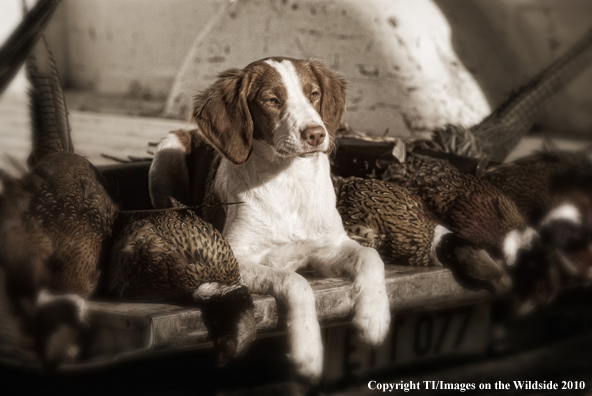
(306, 349)
(373, 317)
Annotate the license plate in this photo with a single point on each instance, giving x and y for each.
(412, 338)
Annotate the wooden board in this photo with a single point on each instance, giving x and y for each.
(123, 330)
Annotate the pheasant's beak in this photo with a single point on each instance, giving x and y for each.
(584, 258)
(246, 331)
(230, 320)
(227, 348)
(536, 274)
(565, 263)
(232, 346)
(577, 264)
(59, 327)
(589, 264)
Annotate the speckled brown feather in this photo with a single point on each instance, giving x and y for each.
(529, 183)
(499, 132)
(387, 217)
(395, 221)
(166, 255)
(49, 114)
(483, 217)
(468, 206)
(54, 222)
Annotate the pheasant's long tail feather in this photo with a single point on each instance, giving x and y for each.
(49, 115)
(500, 132)
(18, 46)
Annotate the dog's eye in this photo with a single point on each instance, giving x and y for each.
(273, 101)
(314, 95)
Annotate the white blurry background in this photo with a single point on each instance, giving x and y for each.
(411, 65)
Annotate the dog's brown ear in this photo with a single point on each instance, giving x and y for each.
(332, 95)
(222, 115)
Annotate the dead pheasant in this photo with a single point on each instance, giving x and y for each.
(482, 214)
(174, 256)
(393, 220)
(53, 222)
(554, 195)
(471, 207)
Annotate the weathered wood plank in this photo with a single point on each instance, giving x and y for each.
(136, 328)
(92, 133)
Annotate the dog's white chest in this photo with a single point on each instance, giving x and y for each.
(285, 215)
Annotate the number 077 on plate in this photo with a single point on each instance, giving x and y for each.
(412, 338)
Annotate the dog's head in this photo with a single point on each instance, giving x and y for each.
(293, 105)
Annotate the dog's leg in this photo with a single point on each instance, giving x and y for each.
(304, 333)
(365, 268)
(168, 179)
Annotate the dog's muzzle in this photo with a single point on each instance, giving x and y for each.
(313, 135)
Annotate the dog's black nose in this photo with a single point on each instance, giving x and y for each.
(313, 135)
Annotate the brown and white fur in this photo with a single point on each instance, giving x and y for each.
(273, 123)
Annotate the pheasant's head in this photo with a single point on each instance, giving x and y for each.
(466, 260)
(567, 231)
(493, 221)
(59, 327)
(536, 275)
(228, 313)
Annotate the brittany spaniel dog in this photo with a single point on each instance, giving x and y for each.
(272, 125)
